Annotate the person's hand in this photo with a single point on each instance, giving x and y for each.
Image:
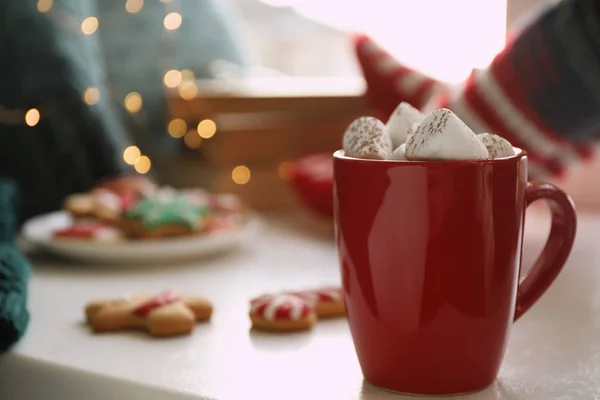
(131, 185)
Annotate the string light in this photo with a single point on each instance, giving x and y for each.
(285, 170)
(173, 78)
(134, 6)
(172, 21)
(133, 102)
(188, 90)
(91, 96)
(241, 174)
(207, 128)
(142, 165)
(32, 117)
(188, 75)
(177, 128)
(131, 154)
(192, 140)
(44, 6)
(89, 25)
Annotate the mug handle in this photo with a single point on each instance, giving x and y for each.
(558, 246)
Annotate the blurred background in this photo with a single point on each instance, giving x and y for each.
(227, 94)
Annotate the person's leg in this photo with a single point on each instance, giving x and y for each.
(542, 92)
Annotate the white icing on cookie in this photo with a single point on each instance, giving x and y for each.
(107, 200)
(268, 305)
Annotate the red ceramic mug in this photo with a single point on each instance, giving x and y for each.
(430, 253)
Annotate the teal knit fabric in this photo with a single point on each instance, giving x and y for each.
(14, 272)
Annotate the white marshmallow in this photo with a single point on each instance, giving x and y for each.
(399, 154)
(443, 136)
(401, 121)
(411, 131)
(497, 146)
(367, 137)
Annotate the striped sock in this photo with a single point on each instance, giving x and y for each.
(389, 82)
(528, 95)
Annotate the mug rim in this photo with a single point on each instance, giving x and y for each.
(519, 153)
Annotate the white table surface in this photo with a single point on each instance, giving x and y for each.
(554, 351)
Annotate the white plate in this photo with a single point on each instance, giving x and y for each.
(38, 231)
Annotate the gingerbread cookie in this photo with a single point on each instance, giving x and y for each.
(162, 215)
(100, 204)
(89, 230)
(80, 205)
(166, 314)
(327, 301)
(282, 313)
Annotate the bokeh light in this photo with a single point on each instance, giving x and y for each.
(192, 140)
(32, 117)
(172, 21)
(177, 128)
(133, 102)
(134, 6)
(142, 165)
(172, 78)
(91, 96)
(131, 154)
(89, 25)
(241, 174)
(188, 90)
(207, 128)
(44, 6)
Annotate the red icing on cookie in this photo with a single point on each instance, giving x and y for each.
(323, 294)
(160, 300)
(85, 230)
(280, 306)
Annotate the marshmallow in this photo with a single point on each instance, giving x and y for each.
(367, 137)
(443, 136)
(411, 131)
(401, 121)
(399, 154)
(497, 146)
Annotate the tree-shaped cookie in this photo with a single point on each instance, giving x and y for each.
(163, 214)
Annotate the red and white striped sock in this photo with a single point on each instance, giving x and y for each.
(490, 100)
(389, 82)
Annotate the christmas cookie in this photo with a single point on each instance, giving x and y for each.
(165, 314)
(162, 215)
(80, 205)
(100, 204)
(89, 230)
(327, 301)
(282, 312)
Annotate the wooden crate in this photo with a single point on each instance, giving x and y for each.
(261, 125)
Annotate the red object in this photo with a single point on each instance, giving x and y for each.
(83, 230)
(312, 180)
(323, 294)
(162, 299)
(280, 306)
(390, 82)
(430, 253)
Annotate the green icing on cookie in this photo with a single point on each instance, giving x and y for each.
(157, 211)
